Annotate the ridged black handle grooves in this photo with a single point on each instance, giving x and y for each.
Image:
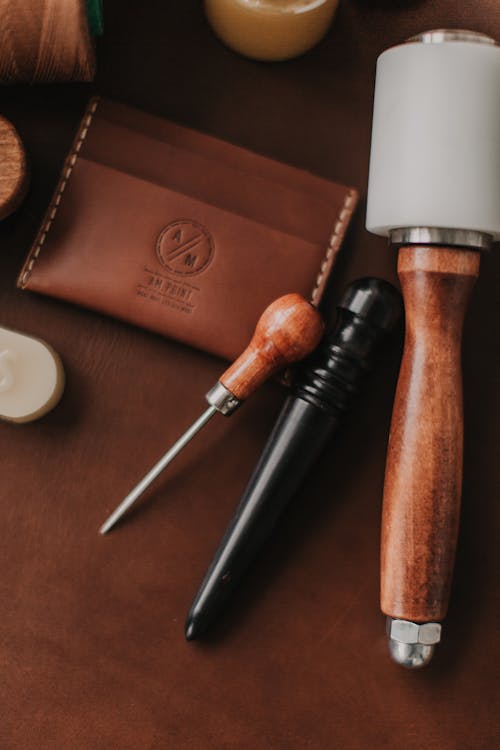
(324, 388)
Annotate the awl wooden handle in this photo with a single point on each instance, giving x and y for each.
(424, 463)
(288, 330)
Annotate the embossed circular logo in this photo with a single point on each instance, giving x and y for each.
(185, 247)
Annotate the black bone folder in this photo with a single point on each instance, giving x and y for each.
(324, 388)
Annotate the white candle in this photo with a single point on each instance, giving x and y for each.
(31, 377)
(270, 29)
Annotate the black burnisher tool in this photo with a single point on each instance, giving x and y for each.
(324, 388)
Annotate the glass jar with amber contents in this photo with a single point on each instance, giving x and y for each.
(270, 29)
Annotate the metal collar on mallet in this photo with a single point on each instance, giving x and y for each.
(469, 238)
(437, 36)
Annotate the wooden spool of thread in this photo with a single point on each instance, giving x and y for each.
(45, 41)
(13, 169)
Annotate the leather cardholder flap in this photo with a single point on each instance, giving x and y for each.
(181, 233)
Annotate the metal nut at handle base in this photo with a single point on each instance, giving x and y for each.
(412, 644)
(404, 631)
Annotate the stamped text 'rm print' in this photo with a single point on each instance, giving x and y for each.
(184, 248)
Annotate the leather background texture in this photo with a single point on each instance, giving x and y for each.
(92, 653)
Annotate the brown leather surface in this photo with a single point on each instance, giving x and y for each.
(91, 629)
(184, 230)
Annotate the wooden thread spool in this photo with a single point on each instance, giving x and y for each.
(13, 169)
(45, 41)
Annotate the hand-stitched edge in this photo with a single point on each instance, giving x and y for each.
(56, 200)
(335, 241)
(331, 251)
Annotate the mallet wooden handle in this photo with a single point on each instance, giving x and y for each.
(424, 462)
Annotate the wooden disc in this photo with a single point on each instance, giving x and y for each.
(13, 169)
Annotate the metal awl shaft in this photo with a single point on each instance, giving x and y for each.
(157, 469)
(288, 330)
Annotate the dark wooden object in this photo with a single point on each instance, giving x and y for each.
(13, 169)
(424, 462)
(288, 330)
(325, 386)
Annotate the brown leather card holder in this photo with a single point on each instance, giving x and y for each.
(181, 233)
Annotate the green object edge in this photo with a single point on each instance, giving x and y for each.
(95, 17)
